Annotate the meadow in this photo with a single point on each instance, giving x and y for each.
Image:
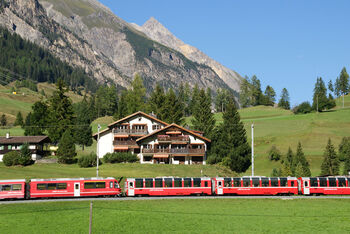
(179, 216)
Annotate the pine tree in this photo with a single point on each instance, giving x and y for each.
(229, 143)
(203, 119)
(344, 148)
(300, 159)
(245, 94)
(172, 111)
(136, 97)
(37, 121)
(270, 95)
(221, 100)
(194, 99)
(330, 86)
(346, 170)
(19, 119)
(156, 101)
(66, 148)
(3, 120)
(299, 171)
(257, 96)
(25, 155)
(289, 162)
(286, 170)
(320, 100)
(330, 164)
(61, 113)
(344, 83)
(122, 106)
(284, 101)
(83, 130)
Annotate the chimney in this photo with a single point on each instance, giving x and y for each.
(7, 135)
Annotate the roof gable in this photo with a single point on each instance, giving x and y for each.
(136, 114)
(169, 127)
(24, 139)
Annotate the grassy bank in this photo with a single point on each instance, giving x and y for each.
(179, 216)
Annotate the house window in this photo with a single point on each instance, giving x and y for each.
(2, 147)
(156, 127)
(9, 147)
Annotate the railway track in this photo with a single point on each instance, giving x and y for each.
(170, 198)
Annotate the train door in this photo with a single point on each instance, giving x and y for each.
(76, 189)
(219, 186)
(306, 185)
(131, 187)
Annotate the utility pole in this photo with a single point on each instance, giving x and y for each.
(98, 140)
(252, 149)
(90, 223)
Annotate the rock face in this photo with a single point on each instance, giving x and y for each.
(87, 34)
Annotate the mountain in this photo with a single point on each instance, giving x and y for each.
(86, 34)
(156, 31)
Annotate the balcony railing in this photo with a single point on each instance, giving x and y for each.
(166, 138)
(117, 131)
(174, 151)
(128, 142)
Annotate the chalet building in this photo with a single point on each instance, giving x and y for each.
(36, 145)
(173, 145)
(153, 140)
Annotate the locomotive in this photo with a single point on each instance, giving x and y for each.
(173, 186)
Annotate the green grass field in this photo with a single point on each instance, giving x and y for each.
(180, 216)
(115, 170)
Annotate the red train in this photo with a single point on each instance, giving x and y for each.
(173, 186)
(64, 187)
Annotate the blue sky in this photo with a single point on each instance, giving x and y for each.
(284, 43)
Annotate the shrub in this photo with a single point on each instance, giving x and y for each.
(88, 160)
(303, 108)
(25, 157)
(120, 157)
(11, 158)
(274, 153)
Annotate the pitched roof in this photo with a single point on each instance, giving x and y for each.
(24, 139)
(135, 114)
(174, 125)
(128, 117)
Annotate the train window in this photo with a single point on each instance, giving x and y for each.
(237, 182)
(283, 182)
(111, 184)
(274, 182)
(62, 186)
(332, 182)
(264, 182)
(177, 182)
(116, 185)
(196, 182)
(6, 187)
(323, 182)
(0, 187)
(292, 183)
(341, 182)
(51, 186)
(313, 182)
(158, 183)
(168, 183)
(246, 182)
(16, 187)
(148, 183)
(256, 182)
(348, 182)
(139, 183)
(227, 182)
(41, 186)
(206, 184)
(187, 182)
(100, 184)
(89, 185)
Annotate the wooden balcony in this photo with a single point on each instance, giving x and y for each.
(117, 131)
(166, 138)
(155, 151)
(128, 142)
(174, 151)
(196, 151)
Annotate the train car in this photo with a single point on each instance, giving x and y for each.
(255, 186)
(12, 189)
(325, 185)
(167, 186)
(74, 187)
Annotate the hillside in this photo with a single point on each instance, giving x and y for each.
(272, 126)
(86, 34)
